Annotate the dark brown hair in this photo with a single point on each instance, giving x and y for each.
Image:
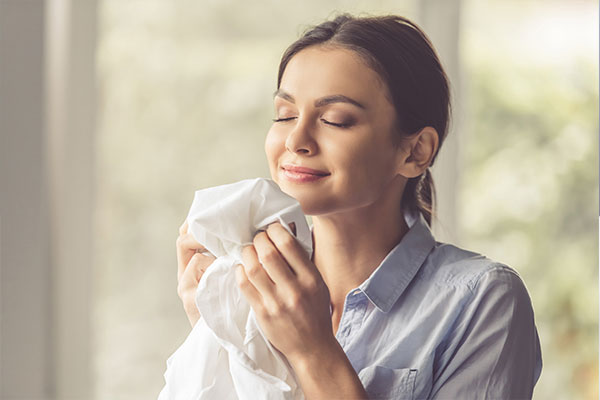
(400, 52)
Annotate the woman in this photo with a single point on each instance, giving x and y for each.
(381, 309)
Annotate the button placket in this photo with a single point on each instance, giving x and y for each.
(359, 313)
(340, 334)
(349, 316)
(356, 316)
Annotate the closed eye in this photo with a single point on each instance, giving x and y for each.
(283, 119)
(346, 125)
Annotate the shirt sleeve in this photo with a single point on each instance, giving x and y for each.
(495, 351)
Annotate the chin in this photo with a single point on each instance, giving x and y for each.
(311, 204)
(311, 201)
(289, 190)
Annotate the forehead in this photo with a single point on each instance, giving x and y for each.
(320, 71)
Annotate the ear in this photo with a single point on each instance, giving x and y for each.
(417, 153)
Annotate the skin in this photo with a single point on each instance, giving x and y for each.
(356, 212)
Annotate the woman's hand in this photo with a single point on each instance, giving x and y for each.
(288, 295)
(191, 264)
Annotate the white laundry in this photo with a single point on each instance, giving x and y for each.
(226, 355)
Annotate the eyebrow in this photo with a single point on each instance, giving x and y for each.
(323, 101)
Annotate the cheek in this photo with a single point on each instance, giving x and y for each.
(274, 147)
(366, 168)
(357, 160)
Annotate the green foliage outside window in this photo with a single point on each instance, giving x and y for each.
(530, 199)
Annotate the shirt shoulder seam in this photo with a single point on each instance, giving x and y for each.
(495, 266)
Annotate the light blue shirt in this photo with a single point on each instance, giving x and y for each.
(434, 321)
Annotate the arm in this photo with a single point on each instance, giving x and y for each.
(495, 352)
(291, 303)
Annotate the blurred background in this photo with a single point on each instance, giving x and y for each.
(113, 112)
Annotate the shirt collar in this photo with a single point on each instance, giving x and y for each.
(399, 267)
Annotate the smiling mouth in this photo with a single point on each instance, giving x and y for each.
(296, 174)
(296, 169)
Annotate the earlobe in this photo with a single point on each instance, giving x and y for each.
(418, 153)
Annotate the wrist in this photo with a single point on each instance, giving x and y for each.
(331, 353)
(328, 374)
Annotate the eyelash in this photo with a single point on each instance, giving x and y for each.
(325, 121)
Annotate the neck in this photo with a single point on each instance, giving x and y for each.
(350, 245)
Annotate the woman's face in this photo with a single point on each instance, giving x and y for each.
(333, 117)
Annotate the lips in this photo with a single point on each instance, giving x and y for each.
(303, 170)
(302, 175)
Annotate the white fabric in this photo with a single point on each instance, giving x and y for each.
(226, 355)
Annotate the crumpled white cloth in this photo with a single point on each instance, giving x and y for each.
(226, 355)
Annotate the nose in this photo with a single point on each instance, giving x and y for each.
(299, 140)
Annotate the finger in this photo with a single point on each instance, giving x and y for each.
(183, 228)
(198, 265)
(188, 242)
(256, 273)
(194, 270)
(248, 289)
(187, 246)
(188, 280)
(290, 249)
(272, 261)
